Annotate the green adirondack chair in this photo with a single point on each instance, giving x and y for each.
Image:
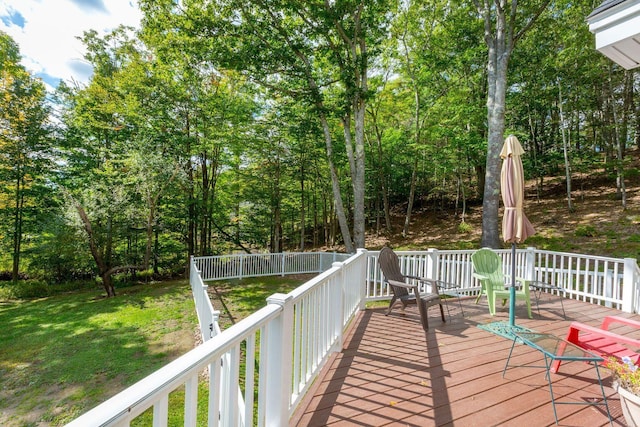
(487, 267)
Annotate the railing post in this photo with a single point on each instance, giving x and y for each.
(278, 362)
(363, 272)
(432, 264)
(282, 266)
(629, 290)
(241, 268)
(215, 325)
(337, 304)
(530, 263)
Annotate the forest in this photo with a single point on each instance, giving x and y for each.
(275, 125)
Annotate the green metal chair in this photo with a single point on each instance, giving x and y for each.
(488, 270)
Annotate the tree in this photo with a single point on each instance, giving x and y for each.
(23, 141)
(116, 166)
(504, 24)
(315, 52)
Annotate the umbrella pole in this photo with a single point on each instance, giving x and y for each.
(512, 289)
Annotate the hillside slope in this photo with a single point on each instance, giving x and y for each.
(598, 224)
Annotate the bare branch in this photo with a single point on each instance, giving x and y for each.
(532, 21)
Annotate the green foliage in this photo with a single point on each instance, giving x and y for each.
(465, 228)
(586, 231)
(200, 134)
(24, 289)
(631, 173)
(25, 148)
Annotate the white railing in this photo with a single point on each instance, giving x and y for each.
(237, 266)
(284, 345)
(281, 348)
(598, 280)
(611, 282)
(207, 316)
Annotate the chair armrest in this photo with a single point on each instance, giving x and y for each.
(480, 276)
(608, 320)
(446, 285)
(401, 284)
(576, 327)
(431, 282)
(421, 279)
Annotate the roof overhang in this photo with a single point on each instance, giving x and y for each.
(616, 25)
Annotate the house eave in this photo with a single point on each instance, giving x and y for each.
(617, 31)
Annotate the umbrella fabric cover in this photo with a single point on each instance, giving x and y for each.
(515, 225)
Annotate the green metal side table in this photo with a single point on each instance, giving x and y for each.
(555, 348)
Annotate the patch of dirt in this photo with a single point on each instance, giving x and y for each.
(174, 344)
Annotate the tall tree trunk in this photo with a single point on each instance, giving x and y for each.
(354, 70)
(412, 195)
(191, 203)
(335, 186)
(156, 250)
(277, 214)
(17, 226)
(151, 219)
(302, 207)
(108, 247)
(617, 138)
(204, 194)
(384, 191)
(316, 225)
(358, 179)
(95, 252)
(497, 72)
(500, 38)
(636, 109)
(416, 141)
(565, 149)
(152, 202)
(480, 177)
(627, 108)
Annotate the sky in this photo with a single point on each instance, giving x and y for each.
(46, 31)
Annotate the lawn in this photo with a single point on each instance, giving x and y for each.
(237, 299)
(60, 356)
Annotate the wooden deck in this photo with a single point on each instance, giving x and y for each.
(390, 373)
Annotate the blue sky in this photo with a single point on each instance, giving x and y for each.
(46, 32)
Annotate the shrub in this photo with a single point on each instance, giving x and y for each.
(465, 228)
(25, 289)
(586, 231)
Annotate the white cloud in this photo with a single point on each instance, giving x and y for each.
(48, 39)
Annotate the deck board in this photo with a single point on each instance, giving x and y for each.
(391, 373)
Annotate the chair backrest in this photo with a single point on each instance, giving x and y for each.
(390, 266)
(489, 264)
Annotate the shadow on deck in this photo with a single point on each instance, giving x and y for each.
(390, 373)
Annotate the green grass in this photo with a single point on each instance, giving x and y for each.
(62, 355)
(243, 297)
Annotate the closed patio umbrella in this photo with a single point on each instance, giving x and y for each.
(515, 225)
